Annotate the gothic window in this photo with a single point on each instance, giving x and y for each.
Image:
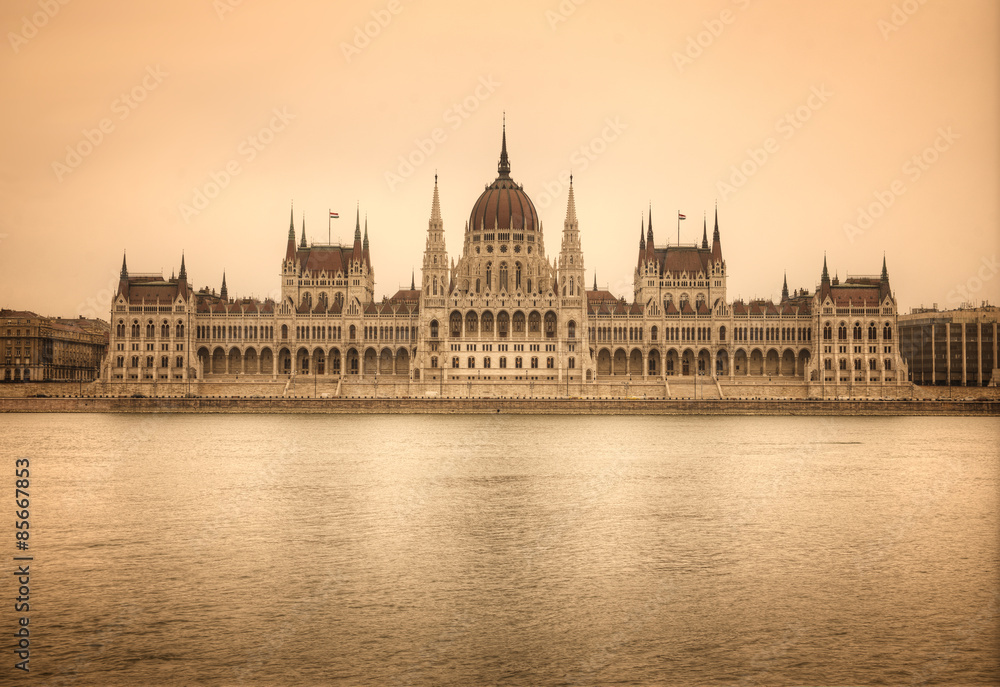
(434, 331)
(872, 331)
(534, 322)
(435, 286)
(653, 332)
(487, 323)
(529, 284)
(827, 332)
(571, 329)
(887, 332)
(471, 322)
(503, 276)
(487, 362)
(119, 329)
(471, 362)
(180, 361)
(699, 299)
(842, 332)
(519, 322)
(857, 331)
(572, 288)
(872, 364)
(843, 363)
(857, 363)
(456, 323)
(517, 276)
(179, 329)
(518, 362)
(489, 277)
(164, 331)
(888, 364)
(135, 328)
(722, 333)
(503, 323)
(827, 364)
(550, 324)
(683, 299)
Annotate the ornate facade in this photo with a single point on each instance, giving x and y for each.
(504, 317)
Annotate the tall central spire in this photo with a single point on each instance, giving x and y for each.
(504, 165)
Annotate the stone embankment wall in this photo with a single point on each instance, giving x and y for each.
(494, 406)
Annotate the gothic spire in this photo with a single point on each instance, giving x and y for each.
(704, 233)
(302, 243)
(715, 234)
(357, 224)
(183, 275)
(124, 274)
(365, 244)
(503, 167)
(642, 235)
(885, 272)
(595, 280)
(224, 294)
(825, 279)
(784, 288)
(436, 204)
(649, 236)
(291, 223)
(570, 205)
(413, 283)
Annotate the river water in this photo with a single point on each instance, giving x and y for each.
(513, 550)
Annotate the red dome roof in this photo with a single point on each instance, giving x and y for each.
(504, 204)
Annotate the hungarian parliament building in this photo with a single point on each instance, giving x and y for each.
(504, 319)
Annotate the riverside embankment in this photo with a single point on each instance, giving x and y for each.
(546, 406)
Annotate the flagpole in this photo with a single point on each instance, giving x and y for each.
(329, 239)
(678, 227)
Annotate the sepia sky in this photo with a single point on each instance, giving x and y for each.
(855, 129)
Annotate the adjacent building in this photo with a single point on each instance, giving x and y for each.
(51, 349)
(505, 315)
(951, 347)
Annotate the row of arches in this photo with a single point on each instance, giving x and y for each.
(136, 330)
(857, 331)
(503, 324)
(318, 361)
(689, 361)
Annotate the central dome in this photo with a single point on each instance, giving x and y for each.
(504, 204)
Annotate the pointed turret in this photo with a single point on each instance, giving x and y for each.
(595, 280)
(364, 247)
(123, 278)
(302, 243)
(784, 288)
(642, 245)
(290, 247)
(650, 252)
(413, 283)
(883, 283)
(571, 205)
(356, 253)
(183, 274)
(704, 233)
(824, 281)
(436, 204)
(716, 242)
(224, 293)
(503, 167)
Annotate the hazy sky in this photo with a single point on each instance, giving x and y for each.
(119, 115)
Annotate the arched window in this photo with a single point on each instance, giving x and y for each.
(550, 324)
(456, 323)
(872, 331)
(487, 323)
(471, 322)
(165, 330)
(517, 276)
(572, 288)
(722, 333)
(519, 322)
(842, 332)
(888, 364)
(653, 332)
(150, 329)
(534, 322)
(489, 277)
(887, 332)
(434, 329)
(827, 332)
(529, 284)
(503, 276)
(857, 331)
(179, 329)
(120, 329)
(571, 329)
(284, 331)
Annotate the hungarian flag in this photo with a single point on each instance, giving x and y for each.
(334, 215)
(680, 216)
